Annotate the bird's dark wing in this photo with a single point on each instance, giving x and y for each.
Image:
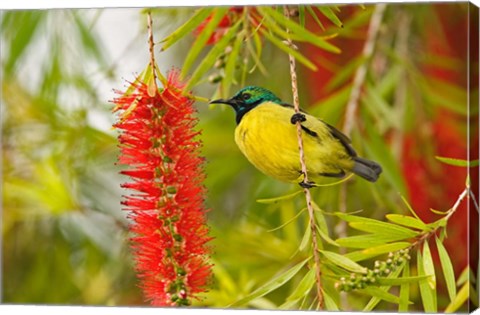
(344, 140)
(337, 134)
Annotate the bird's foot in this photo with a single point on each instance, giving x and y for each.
(297, 117)
(307, 185)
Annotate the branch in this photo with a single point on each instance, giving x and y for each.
(308, 197)
(151, 45)
(361, 72)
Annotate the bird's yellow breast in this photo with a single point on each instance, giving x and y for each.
(267, 138)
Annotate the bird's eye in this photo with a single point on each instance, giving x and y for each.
(246, 96)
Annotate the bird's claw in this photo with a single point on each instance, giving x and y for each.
(297, 117)
(307, 185)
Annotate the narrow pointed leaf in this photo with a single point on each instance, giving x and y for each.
(380, 294)
(447, 270)
(315, 17)
(459, 300)
(301, 15)
(368, 240)
(306, 239)
(212, 56)
(272, 285)
(380, 227)
(230, 65)
(330, 304)
(329, 14)
(457, 162)
(408, 221)
(402, 280)
(428, 266)
(298, 30)
(426, 292)
(404, 290)
(322, 225)
(410, 208)
(343, 262)
(376, 251)
(186, 28)
(303, 287)
(301, 58)
(281, 198)
(217, 14)
(375, 300)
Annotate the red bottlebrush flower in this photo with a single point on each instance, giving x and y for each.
(169, 223)
(225, 23)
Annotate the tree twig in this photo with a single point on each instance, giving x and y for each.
(361, 72)
(308, 197)
(151, 45)
(352, 105)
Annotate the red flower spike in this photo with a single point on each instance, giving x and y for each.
(169, 223)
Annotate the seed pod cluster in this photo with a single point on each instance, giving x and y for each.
(219, 65)
(382, 268)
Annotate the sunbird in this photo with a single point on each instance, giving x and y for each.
(267, 136)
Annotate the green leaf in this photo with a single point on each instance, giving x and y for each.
(410, 208)
(306, 238)
(315, 17)
(447, 270)
(404, 290)
(188, 27)
(212, 55)
(408, 221)
(353, 218)
(466, 275)
(427, 293)
(428, 266)
(368, 240)
(379, 107)
(202, 38)
(281, 198)
(330, 304)
(271, 285)
(345, 73)
(20, 27)
(298, 30)
(301, 15)
(90, 43)
(302, 59)
(344, 262)
(230, 64)
(378, 149)
(322, 225)
(375, 300)
(457, 162)
(459, 300)
(329, 14)
(384, 228)
(376, 251)
(303, 287)
(401, 281)
(380, 294)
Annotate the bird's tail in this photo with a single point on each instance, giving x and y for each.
(366, 169)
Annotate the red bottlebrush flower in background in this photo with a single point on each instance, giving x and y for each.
(223, 26)
(158, 143)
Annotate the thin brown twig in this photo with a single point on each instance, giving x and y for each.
(151, 45)
(351, 109)
(361, 72)
(425, 237)
(308, 197)
(373, 29)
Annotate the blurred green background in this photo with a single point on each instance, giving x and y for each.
(64, 235)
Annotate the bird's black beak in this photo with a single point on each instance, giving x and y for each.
(231, 102)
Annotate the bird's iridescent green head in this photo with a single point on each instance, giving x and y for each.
(247, 99)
